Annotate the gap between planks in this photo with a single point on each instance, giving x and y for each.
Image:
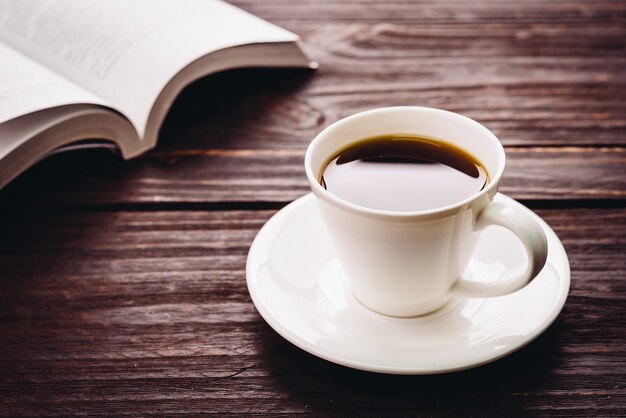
(299, 152)
(276, 205)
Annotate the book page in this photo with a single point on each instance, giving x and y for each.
(21, 129)
(127, 51)
(26, 86)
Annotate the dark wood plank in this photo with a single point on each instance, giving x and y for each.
(114, 301)
(524, 99)
(537, 73)
(258, 175)
(147, 313)
(448, 11)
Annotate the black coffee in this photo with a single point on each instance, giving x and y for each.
(403, 173)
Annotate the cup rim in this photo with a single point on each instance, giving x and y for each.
(324, 194)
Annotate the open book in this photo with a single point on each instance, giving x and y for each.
(107, 71)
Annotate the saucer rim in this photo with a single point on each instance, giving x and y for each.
(295, 339)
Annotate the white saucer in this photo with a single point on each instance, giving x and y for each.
(297, 286)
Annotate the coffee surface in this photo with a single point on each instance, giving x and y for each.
(403, 173)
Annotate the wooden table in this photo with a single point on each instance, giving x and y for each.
(122, 287)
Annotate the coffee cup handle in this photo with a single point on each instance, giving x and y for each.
(529, 232)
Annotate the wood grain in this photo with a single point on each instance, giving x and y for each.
(144, 312)
(122, 289)
(524, 101)
(257, 175)
(556, 78)
(447, 11)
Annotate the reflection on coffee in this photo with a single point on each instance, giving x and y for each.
(403, 173)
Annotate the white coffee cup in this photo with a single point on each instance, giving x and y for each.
(410, 263)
